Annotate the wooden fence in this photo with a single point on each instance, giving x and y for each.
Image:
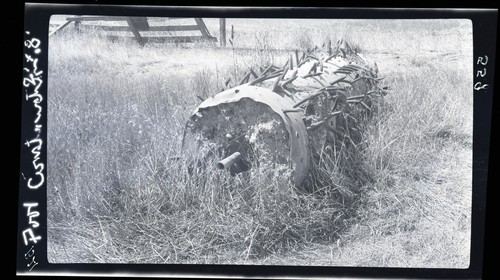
(140, 29)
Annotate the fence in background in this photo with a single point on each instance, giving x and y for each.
(140, 29)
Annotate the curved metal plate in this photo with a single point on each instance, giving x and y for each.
(299, 141)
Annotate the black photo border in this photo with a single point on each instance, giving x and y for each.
(33, 131)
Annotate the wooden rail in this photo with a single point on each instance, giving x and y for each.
(137, 25)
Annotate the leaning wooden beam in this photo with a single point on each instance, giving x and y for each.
(134, 30)
(60, 27)
(203, 28)
(140, 23)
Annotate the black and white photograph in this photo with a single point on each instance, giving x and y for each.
(274, 141)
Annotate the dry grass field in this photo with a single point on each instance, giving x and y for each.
(116, 114)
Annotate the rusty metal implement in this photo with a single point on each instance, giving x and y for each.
(288, 116)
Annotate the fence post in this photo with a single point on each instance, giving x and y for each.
(222, 31)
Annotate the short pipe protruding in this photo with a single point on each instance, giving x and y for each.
(228, 161)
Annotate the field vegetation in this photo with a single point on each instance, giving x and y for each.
(118, 189)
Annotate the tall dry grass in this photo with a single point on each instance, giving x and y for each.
(118, 188)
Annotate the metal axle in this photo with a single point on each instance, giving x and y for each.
(228, 161)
